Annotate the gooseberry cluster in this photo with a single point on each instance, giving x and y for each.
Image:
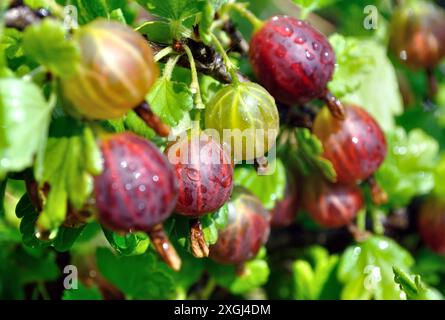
(141, 187)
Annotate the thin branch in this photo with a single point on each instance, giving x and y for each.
(207, 61)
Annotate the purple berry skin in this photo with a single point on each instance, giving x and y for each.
(292, 60)
(137, 188)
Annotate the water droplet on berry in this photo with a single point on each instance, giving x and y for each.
(300, 40)
(128, 186)
(325, 57)
(155, 178)
(355, 140)
(124, 164)
(142, 188)
(141, 206)
(315, 45)
(309, 55)
(280, 51)
(193, 174)
(284, 31)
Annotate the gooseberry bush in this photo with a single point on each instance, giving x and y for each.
(220, 149)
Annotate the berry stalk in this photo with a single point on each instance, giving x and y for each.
(198, 244)
(194, 86)
(152, 120)
(164, 248)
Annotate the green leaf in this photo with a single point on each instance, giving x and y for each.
(430, 266)
(213, 222)
(303, 278)
(11, 43)
(307, 154)
(312, 281)
(170, 100)
(413, 286)
(363, 69)
(408, 169)
(90, 10)
(28, 214)
(217, 4)
(353, 64)
(308, 6)
(173, 9)
(116, 4)
(82, 293)
(138, 277)
(128, 244)
(209, 229)
(118, 15)
(8, 233)
(366, 269)
(191, 271)
(207, 18)
(34, 265)
(439, 177)
(24, 120)
(20, 265)
(134, 123)
(157, 31)
(35, 4)
(268, 188)
(47, 44)
(70, 160)
(255, 274)
(66, 237)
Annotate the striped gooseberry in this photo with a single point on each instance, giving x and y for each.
(137, 190)
(418, 34)
(294, 62)
(204, 172)
(247, 229)
(246, 118)
(332, 205)
(115, 73)
(356, 146)
(431, 223)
